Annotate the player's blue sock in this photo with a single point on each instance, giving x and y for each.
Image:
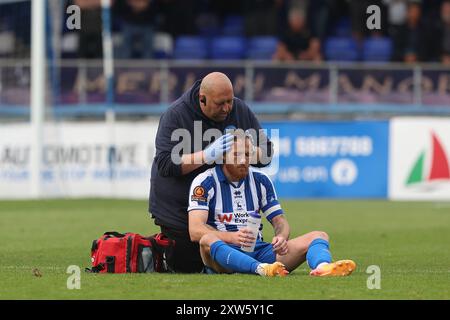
(232, 259)
(318, 252)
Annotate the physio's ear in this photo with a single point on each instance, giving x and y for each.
(203, 99)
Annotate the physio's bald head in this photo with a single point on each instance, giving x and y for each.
(216, 96)
(215, 81)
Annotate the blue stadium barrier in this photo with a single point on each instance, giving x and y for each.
(268, 108)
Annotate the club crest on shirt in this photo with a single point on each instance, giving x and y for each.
(198, 194)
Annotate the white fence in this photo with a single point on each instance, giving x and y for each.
(79, 160)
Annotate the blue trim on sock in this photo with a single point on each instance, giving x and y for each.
(318, 252)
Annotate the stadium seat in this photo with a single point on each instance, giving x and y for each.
(342, 28)
(208, 25)
(69, 45)
(377, 49)
(261, 48)
(163, 45)
(341, 49)
(7, 43)
(190, 48)
(233, 26)
(226, 48)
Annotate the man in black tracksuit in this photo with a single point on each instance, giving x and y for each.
(209, 103)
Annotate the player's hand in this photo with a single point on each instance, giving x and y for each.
(280, 245)
(244, 237)
(217, 149)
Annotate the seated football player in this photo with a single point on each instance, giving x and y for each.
(219, 202)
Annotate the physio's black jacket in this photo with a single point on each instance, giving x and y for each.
(169, 189)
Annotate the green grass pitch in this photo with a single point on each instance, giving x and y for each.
(409, 241)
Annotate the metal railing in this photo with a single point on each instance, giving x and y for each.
(77, 87)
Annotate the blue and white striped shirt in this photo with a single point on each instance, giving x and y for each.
(228, 205)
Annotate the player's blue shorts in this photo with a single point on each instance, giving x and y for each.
(263, 253)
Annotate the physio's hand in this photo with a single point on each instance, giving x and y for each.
(253, 148)
(252, 141)
(217, 149)
(280, 245)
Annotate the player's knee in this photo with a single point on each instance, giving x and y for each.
(207, 239)
(321, 235)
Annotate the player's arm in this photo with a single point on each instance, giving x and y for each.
(164, 144)
(281, 230)
(281, 227)
(200, 195)
(212, 153)
(169, 159)
(273, 212)
(198, 228)
(190, 162)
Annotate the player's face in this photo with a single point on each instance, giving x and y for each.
(219, 104)
(237, 161)
(414, 13)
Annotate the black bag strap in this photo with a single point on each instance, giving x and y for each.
(110, 264)
(114, 234)
(155, 245)
(94, 246)
(95, 269)
(163, 252)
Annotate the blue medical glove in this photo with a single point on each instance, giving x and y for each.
(218, 148)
